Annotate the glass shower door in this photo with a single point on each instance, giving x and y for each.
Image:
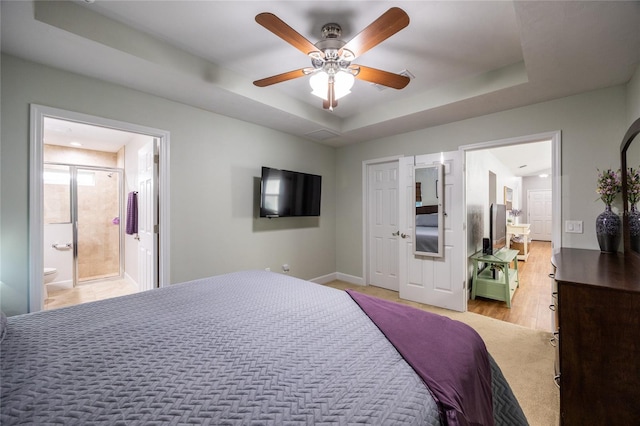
(98, 229)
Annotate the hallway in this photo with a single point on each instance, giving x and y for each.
(530, 303)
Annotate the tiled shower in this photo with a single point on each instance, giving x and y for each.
(93, 205)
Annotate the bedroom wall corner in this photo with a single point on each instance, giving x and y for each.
(215, 161)
(592, 126)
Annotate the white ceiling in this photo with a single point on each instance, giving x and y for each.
(529, 159)
(468, 58)
(65, 133)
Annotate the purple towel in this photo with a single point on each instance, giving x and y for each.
(449, 356)
(132, 213)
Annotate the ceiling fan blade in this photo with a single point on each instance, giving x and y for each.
(286, 76)
(285, 32)
(384, 78)
(389, 23)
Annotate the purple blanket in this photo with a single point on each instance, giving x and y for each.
(449, 356)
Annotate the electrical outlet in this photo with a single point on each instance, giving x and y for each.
(267, 269)
(285, 268)
(573, 226)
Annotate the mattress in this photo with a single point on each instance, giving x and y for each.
(243, 348)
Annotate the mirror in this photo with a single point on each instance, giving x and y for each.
(508, 197)
(630, 158)
(428, 222)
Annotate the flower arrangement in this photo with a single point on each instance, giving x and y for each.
(609, 185)
(515, 212)
(633, 185)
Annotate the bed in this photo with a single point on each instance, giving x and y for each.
(251, 347)
(427, 232)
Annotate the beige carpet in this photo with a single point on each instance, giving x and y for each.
(524, 355)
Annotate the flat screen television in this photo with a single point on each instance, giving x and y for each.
(497, 227)
(284, 193)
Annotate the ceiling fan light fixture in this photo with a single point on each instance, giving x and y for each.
(342, 83)
(319, 82)
(332, 74)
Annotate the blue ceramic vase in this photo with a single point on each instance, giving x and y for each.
(608, 226)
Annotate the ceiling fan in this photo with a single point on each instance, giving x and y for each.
(332, 73)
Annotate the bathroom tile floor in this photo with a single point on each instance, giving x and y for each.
(99, 290)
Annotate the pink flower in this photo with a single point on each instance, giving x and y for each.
(609, 185)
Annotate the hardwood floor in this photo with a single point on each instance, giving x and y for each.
(530, 303)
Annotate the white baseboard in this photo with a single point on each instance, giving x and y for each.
(324, 279)
(131, 280)
(338, 276)
(60, 285)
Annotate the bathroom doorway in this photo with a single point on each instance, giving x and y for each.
(102, 259)
(82, 220)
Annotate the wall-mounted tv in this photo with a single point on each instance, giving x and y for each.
(498, 227)
(284, 193)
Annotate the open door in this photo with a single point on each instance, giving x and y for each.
(147, 216)
(437, 281)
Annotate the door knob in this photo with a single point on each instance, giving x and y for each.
(403, 235)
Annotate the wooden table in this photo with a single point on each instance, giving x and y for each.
(519, 229)
(497, 280)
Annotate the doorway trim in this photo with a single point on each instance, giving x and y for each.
(365, 215)
(556, 173)
(36, 227)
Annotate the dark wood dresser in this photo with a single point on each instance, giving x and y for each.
(599, 337)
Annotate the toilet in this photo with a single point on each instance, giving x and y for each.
(49, 276)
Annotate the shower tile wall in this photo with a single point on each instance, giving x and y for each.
(98, 245)
(98, 241)
(56, 204)
(80, 157)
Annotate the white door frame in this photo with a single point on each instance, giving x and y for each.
(36, 227)
(365, 216)
(556, 173)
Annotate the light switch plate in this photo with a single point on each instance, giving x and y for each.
(573, 226)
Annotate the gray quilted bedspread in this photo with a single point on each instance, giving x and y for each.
(245, 348)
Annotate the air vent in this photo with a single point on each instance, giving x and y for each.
(322, 134)
(406, 73)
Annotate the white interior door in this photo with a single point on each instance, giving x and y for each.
(147, 217)
(437, 281)
(382, 213)
(540, 207)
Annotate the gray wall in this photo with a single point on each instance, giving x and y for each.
(633, 98)
(215, 161)
(592, 126)
(215, 166)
